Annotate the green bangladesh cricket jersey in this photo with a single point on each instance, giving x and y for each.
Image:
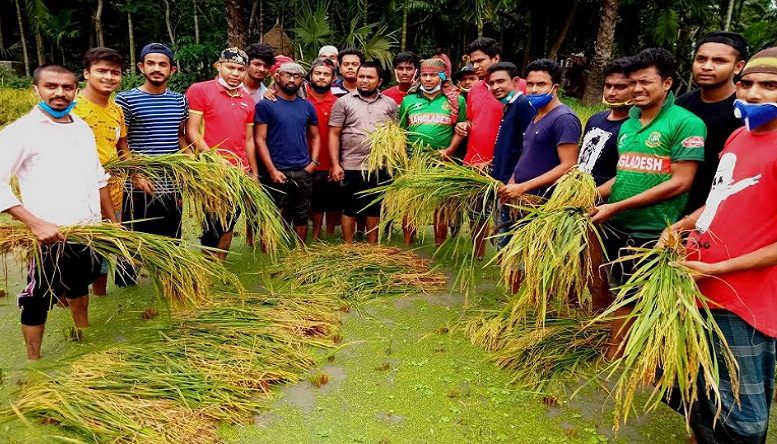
(645, 159)
(430, 120)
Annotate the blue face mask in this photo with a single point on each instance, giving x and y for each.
(537, 101)
(755, 114)
(57, 114)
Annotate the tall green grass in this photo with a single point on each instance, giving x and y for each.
(15, 103)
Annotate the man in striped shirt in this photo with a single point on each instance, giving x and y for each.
(155, 118)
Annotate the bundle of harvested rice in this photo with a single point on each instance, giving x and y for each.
(551, 246)
(565, 351)
(358, 272)
(216, 364)
(668, 344)
(212, 184)
(388, 149)
(183, 276)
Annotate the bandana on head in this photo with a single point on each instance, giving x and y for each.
(234, 55)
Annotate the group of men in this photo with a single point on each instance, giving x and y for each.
(305, 134)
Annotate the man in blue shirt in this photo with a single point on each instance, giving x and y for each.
(286, 136)
(503, 81)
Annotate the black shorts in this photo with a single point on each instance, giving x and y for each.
(356, 204)
(165, 211)
(616, 241)
(325, 193)
(293, 196)
(213, 229)
(65, 270)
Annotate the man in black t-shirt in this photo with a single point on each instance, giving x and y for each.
(599, 150)
(719, 57)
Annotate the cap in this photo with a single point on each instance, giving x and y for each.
(328, 49)
(292, 68)
(732, 39)
(234, 55)
(466, 69)
(280, 60)
(763, 62)
(156, 48)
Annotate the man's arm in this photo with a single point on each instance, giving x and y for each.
(194, 132)
(680, 182)
(106, 205)
(567, 154)
(260, 138)
(314, 141)
(251, 152)
(605, 189)
(336, 173)
(760, 258)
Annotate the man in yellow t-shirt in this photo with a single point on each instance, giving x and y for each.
(102, 75)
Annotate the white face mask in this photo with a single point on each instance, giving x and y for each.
(226, 85)
(433, 90)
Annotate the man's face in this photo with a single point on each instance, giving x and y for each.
(649, 88)
(539, 82)
(257, 70)
(349, 66)
(156, 68)
(405, 73)
(758, 88)
(232, 73)
(467, 80)
(481, 62)
(617, 88)
(103, 77)
(321, 76)
(289, 82)
(500, 84)
(430, 80)
(715, 64)
(367, 81)
(56, 89)
(331, 56)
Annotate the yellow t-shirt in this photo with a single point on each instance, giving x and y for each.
(108, 127)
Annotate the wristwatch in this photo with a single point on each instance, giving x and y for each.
(315, 162)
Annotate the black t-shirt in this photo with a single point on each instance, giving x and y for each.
(599, 150)
(720, 121)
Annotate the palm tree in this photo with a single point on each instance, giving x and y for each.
(312, 29)
(98, 23)
(60, 27)
(408, 6)
(236, 30)
(22, 36)
(375, 40)
(605, 38)
(38, 13)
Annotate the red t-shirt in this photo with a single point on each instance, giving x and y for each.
(740, 217)
(222, 114)
(485, 114)
(395, 93)
(323, 109)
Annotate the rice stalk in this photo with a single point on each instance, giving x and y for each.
(388, 149)
(211, 184)
(182, 275)
(669, 343)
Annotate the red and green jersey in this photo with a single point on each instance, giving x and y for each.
(645, 160)
(430, 120)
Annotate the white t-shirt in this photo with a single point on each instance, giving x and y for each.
(59, 173)
(257, 95)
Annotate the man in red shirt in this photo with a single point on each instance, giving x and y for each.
(406, 69)
(733, 248)
(221, 116)
(322, 73)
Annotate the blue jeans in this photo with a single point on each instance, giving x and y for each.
(504, 223)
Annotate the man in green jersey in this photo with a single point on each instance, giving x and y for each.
(659, 148)
(429, 115)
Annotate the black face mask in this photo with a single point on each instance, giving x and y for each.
(320, 89)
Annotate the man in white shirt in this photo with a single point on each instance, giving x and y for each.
(53, 154)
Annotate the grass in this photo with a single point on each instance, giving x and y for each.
(16, 103)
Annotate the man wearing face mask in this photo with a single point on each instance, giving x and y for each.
(288, 143)
(719, 57)
(659, 146)
(53, 155)
(733, 248)
(429, 117)
(222, 117)
(406, 66)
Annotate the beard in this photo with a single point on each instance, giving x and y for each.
(321, 89)
(157, 82)
(367, 92)
(290, 88)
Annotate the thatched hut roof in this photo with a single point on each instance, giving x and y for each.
(279, 41)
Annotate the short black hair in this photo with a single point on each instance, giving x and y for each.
(546, 65)
(732, 39)
(511, 69)
(617, 66)
(487, 45)
(407, 57)
(51, 67)
(658, 58)
(101, 54)
(372, 64)
(261, 51)
(350, 51)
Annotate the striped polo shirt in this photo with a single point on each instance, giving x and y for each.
(153, 121)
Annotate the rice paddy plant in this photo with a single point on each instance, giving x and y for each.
(549, 246)
(358, 272)
(564, 351)
(182, 275)
(211, 184)
(669, 342)
(388, 149)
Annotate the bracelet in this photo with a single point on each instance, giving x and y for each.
(315, 162)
